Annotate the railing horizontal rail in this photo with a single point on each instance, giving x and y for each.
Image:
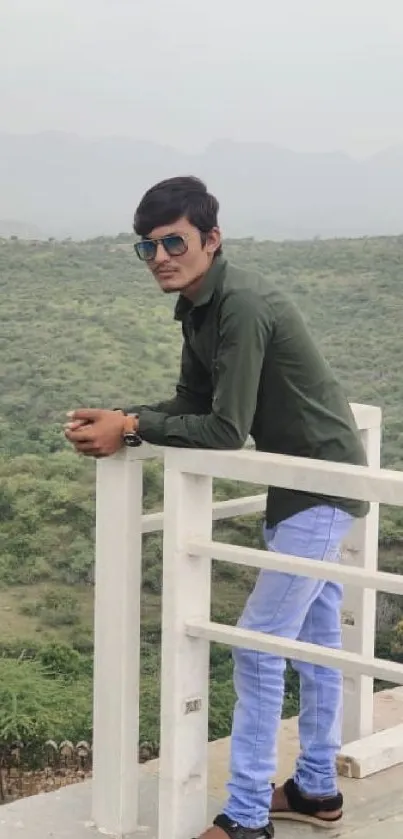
(349, 663)
(274, 561)
(247, 505)
(342, 480)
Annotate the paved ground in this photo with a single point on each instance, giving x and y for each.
(374, 806)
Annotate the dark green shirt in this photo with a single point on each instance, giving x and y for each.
(250, 366)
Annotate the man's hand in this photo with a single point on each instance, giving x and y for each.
(96, 432)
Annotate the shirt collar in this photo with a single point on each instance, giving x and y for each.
(205, 291)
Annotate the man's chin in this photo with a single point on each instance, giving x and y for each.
(169, 284)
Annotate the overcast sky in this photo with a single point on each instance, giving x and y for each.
(306, 74)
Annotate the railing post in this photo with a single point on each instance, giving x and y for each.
(117, 644)
(361, 550)
(185, 660)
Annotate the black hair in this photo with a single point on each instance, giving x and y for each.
(174, 198)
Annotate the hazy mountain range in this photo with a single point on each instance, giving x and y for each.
(55, 184)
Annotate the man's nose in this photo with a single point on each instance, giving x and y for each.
(161, 254)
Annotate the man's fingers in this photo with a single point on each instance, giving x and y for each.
(88, 414)
(72, 426)
(84, 433)
(87, 448)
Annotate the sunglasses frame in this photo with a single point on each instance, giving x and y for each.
(161, 241)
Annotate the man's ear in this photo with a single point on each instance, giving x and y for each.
(213, 240)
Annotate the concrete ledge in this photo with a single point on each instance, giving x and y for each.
(372, 754)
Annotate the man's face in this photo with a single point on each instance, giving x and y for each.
(182, 272)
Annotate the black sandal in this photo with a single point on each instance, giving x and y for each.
(306, 809)
(236, 831)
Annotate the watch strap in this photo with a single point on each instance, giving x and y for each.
(130, 437)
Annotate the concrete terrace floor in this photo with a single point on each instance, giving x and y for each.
(373, 806)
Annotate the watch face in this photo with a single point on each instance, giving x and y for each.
(132, 439)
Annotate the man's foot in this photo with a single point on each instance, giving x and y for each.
(225, 828)
(289, 803)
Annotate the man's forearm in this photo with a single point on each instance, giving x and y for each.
(178, 405)
(190, 430)
(172, 407)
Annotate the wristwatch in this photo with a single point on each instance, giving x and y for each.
(130, 438)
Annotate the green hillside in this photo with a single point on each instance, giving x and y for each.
(83, 324)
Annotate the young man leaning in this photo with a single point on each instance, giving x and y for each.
(250, 366)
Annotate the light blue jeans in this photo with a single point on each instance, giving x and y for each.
(299, 608)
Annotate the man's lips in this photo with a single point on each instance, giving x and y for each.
(166, 274)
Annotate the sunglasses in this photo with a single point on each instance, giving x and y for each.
(174, 244)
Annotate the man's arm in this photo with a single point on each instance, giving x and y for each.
(245, 332)
(193, 391)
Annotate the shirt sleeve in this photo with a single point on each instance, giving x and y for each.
(244, 335)
(193, 391)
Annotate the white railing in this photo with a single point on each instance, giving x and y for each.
(186, 626)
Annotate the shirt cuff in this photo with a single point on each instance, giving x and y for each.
(151, 427)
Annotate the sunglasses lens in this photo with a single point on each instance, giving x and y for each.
(174, 245)
(146, 250)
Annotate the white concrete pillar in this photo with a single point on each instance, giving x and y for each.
(185, 660)
(117, 644)
(361, 550)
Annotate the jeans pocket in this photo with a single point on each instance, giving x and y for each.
(316, 533)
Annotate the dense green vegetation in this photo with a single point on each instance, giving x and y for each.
(83, 324)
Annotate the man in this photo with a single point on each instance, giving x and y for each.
(249, 366)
